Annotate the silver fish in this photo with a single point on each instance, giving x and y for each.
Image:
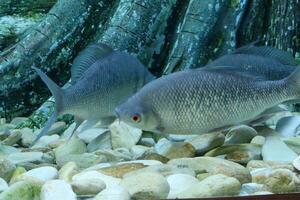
(262, 62)
(102, 78)
(202, 101)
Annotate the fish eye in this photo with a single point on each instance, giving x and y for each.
(136, 118)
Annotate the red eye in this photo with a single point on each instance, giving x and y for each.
(136, 118)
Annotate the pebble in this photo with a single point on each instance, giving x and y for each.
(172, 150)
(23, 157)
(259, 140)
(213, 186)
(88, 186)
(148, 184)
(13, 138)
(119, 170)
(90, 134)
(153, 156)
(57, 128)
(102, 141)
(293, 143)
(179, 183)
(117, 192)
(7, 169)
(67, 171)
(114, 155)
(83, 160)
(205, 142)
(123, 135)
(214, 165)
(57, 189)
(251, 188)
(296, 163)
(3, 185)
(45, 141)
(139, 150)
(240, 134)
(16, 175)
(254, 164)
(24, 190)
(42, 174)
(27, 137)
(18, 120)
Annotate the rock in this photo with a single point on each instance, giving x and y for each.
(13, 138)
(102, 141)
(240, 134)
(119, 170)
(68, 132)
(241, 153)
(90, 134)
(113, 193)
(206, 142)
(214, 166)
(16, 175)
(163, 169)
(213, 186)
(179, 183)
(22, 190)
(114, 155)
(262, 193)
(6, 126)
(202, 176)
(88, 186)
(27, 136)
(139, 150)
(6, 150)
(251, 188)
(18, 120)
(42, 174)
(57, 189)
(3, 185)
(153, 156)
(296, 163)
(293, 143)
(57, 128)
(259, 140)
(123, 135)
(288, 126)
(45, 141)
(174, 149)
(254, 164)
(146, 141)
(2, 121)
(23, 157)
(146, 185)
(83, 161)
(7, 169)
(68, 171)
(281, 153)
(277, 180)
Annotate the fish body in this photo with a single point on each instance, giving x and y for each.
(102, 79)
(201, 101)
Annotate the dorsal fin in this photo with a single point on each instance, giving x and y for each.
(86, 58)
(281, 56)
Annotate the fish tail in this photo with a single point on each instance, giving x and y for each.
(294, 81)
(58, 94)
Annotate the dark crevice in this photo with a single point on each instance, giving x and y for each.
(240, 25)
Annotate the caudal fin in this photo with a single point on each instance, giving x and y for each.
(57, 92)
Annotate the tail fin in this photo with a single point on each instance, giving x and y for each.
(293, 81)
(57, 92)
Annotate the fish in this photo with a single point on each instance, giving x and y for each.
(101, 79)
(261, 62)
(203, 101)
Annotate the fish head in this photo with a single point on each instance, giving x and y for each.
(137, 115)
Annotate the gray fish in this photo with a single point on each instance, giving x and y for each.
(201, 101)
(102, 78)
(260, 62)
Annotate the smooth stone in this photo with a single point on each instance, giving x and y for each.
(254, 164)
(18, 120)
(57, 128)
(153, 156)
(68, 132)
(259, 140)
(288, 126)
(6, 150)
(172, 150)
(13, 138)
(123, 135)
(213, 166)
(27, 137)
(2, 121)
(206, 142)
(281, 153)
(83, 160)
(139, 150)
(146, 185)
(88, 186)
(67, 171)
(117, 192)
(277, 180)
(262, 193)
(146, 141)
(163, 169)
(90, 175)
(202, 176)
(23, 157)
(42, 174)
(102, 141)
(90, 134)
(45, 141)
(179, 183)
(6, 126)
(241, 153)
(240, 134)
(24, 190)
(17, 174)
(293, 143)
(7, 169)
(296, 163)
(213, 186)
(57, 189)
(3, 185)
(251, 188)
(114, 155)
(119, 170)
